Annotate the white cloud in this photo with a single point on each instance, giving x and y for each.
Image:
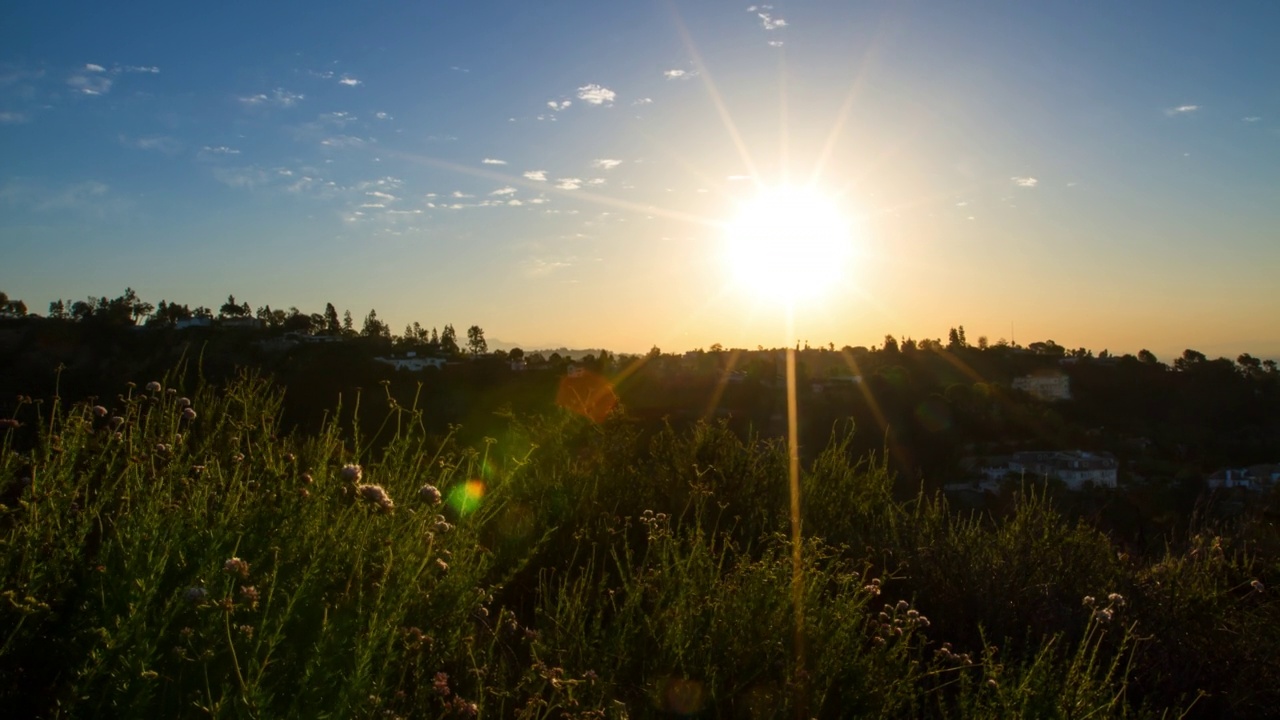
(349, 81)
(1181, 110)
(675, 74)
(606, 163)
(514, 202)
(643, 101)
(278, 97)
(568, 184)
(218, 150)
(12, 118)
(558, 106)
(382, 116)
(152, 69)
(93, 67)
(1252, 119)
(596, 94)
(343, 141)
(775, 43)
(159, 143)
(493, 161)
(596, 181)
(537, 175)
(769, 22)
(382, 195)
(91, 81)
(1026, 182)
(460, 194)
(504, 191)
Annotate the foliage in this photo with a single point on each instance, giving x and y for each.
(172, 557)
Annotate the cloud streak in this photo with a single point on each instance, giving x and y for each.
(1181, 110)
(596, 94)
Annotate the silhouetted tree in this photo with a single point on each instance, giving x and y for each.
(449, 340)
(332, 324)
(475, 340)
(890, 344)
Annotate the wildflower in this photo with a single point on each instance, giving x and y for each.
(442, 525)
(376, 495)
(195, 595)
(184, 402)
(441, 684)
(307, 479)
(154, 387)
(117, 421)
(352, 473)
(991, 683)
(99, 411)
(246, 630)
(1089, 601)
(443, 565)
(188, 414)
(250, 595)
(304, 493)
(236, 566)
(1257, 586)
(163, 448)
(902, 606)
(290, 457)
(1104, 615)
(1116, 599)
(171, 391)
(430, 494)
(237, 458)
(9, 424)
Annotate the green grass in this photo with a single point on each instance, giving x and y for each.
(572, 570)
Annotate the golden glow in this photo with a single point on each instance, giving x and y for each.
(788, 243)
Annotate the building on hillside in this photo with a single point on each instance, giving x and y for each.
(243, 323)
(1046, 386)
(1256, 477)
(1075, 468)
(194, 322)
(411, 362)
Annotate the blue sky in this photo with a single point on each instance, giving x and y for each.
(1104, 174)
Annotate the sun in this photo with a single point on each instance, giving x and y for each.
(788, 243)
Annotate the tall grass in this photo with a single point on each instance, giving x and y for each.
(162, 565)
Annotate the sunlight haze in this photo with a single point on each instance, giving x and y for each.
(1104, 175)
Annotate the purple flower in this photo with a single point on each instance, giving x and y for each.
(430, 494)
(352, 473)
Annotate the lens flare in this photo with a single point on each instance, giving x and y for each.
(465, 498)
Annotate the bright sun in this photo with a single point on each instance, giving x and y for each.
(788, 243)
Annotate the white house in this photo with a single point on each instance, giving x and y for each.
(1050, 386)
(412, 362)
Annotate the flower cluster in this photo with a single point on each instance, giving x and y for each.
(430, 494)
(375, 495)
(1104, 614)
(896, 620)
(352, 473)
(658, 524)
(236, 566)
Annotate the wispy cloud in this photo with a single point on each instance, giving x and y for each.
(13, 118)
(606, 163)
(343, 141)
(92, 79)
(676, 74)
(493, 161)
(504, 191)
(558, 106)
(767, 19)
(542, 267)
(278, 98)
(150, 69)
(536, 175)
(596, 94)
(382, 116)
(158, 143)
(1252, 119)
(349, 81)
(643, 101)
(568, 184)
(1181, 110)
(1025, 182)
(776, 43)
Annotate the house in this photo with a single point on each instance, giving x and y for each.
(1256, 477)
(412, 362)
(193, 322)
(1075, 468)
(1045, 386)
